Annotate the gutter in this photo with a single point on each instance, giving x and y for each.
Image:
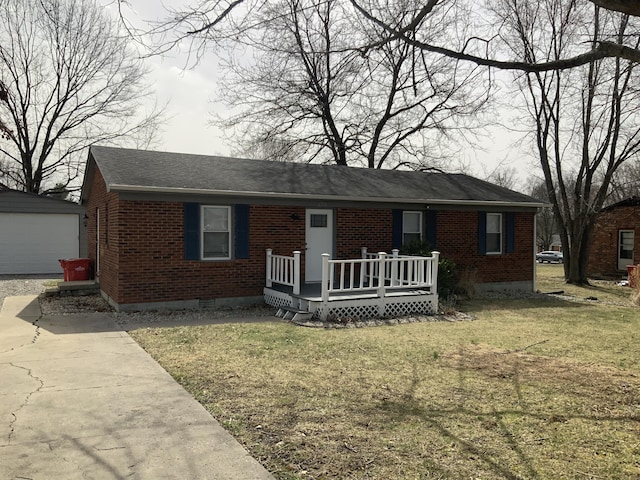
(301, 196)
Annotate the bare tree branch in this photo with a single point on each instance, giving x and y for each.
(69, 79)
(601, 50)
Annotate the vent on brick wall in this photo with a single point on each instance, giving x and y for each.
(207, 304)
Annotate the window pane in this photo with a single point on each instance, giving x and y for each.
(494, 233)
(626, 238)
(626, 245)
(493, 243)
(626, 254)
(318, 221)
(410, 237)
(215, 245)
(493, 222)
(411, 222)
(216, 219)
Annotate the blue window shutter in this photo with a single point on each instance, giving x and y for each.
(192, 231)
(482, 233)
(510, 220)
(242, 231)
(431, 222)
(396, 239)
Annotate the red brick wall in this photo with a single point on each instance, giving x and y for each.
(142, 247)
(603, 254)
(152, 264)
(457, 235)
(457, 238)
(107, 203)
(357, 228)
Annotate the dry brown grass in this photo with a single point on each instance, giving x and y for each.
(535, 389)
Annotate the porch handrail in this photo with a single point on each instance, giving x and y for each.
(378, 272)
(413, 268)
(283, 270)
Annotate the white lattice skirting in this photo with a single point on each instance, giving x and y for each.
(277, 299)
(376, 307)
(361, 308)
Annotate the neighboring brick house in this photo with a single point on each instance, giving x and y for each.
(615, 242)
(174, 230)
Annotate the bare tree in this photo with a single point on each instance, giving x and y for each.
(503, 176)
(68, 79)
(308, 87)
(202, 24)
(625, 183)
(586, 120)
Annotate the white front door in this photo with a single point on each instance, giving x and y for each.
(319, 238)
(625, 249)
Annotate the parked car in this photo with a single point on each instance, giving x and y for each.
(549, 257)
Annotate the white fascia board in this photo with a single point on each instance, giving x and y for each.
(301, 196)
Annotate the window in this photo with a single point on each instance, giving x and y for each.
(494, 233)
(626, 245)
(216, 236)
(317, 220)
(411, 227)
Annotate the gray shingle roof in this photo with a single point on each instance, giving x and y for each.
(142, 170)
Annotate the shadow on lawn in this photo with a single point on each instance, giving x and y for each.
(489, 439)
(539, 301)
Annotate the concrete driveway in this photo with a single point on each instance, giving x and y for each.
(80, 399)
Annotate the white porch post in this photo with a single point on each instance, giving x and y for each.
(296, 272)
(325, 277)
(434, 270)
(269, 253)
(381, 287)
(394, 269)
(364, 270)
(381, 259)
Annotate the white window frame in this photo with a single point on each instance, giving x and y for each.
(500, 233)
(228, 231)
(404, 225)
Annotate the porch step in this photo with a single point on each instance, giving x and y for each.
(294, 314)
(74, 288)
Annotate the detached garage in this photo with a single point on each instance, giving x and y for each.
(36, 231)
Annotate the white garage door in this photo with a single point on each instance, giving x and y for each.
(33, 242)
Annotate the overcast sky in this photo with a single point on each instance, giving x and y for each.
(190, 93)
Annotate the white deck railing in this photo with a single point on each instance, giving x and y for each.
(373, 272)
(378, 272)
(283, 270)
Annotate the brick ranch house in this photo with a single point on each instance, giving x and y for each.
(169, 230)
(615, 239)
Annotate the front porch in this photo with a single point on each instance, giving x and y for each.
(375, 285)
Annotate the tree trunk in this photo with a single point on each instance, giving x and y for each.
(576, 262)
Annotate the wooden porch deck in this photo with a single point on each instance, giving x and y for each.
(373, 286)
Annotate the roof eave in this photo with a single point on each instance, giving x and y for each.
(300, 196)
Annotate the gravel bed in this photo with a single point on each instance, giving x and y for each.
(37, 284)
(16, 285)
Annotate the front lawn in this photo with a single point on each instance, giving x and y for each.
(531, 389)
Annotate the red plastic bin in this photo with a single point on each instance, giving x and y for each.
(76, 269)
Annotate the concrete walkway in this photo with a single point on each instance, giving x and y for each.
(80, 399)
